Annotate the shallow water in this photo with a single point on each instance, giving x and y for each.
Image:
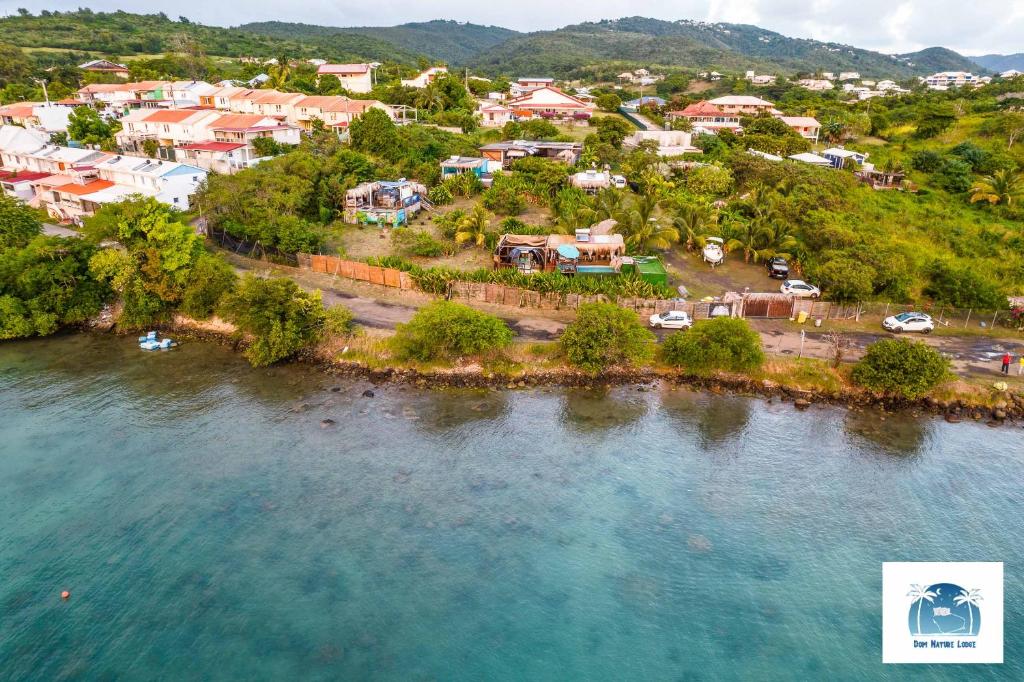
(210, 528)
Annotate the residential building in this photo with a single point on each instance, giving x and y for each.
(1012, 73)
(645, 101)
(335, 112)
(425, 78)
(166, 127)
(812, 159)
(745, 105)
(763, 79)
(807, 126)
(508, 151)
(706, 116)
(493, 115)
(849, 76)
(841, 157)
(815, 85)
(950, 79)
(18, 114)
(121, 97)
(245, 128)
(353, 77)
(550, 102)
(218, 157)
(476, 165)
(670, 142)
(105, 66)
(525, 85)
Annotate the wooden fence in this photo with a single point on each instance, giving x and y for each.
(332, 265)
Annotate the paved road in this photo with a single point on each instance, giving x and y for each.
(59, 231)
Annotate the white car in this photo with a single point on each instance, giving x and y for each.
(673, 319)
(909, 322)
(619, 181)
(800, 289)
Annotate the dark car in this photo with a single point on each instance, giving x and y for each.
(777, 267)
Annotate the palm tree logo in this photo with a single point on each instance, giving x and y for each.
(971, 599)
(920, 594)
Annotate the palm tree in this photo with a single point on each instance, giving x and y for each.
(693, 222)
(473, 226)
(833, 130)
(1002, 187)
(643, 231)
(921, 594)
(588, 159)
(279, 72)
(607, 204)
(971, 598)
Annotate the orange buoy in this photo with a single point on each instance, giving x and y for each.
(65, 594)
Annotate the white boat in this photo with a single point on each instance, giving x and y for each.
(713, 252)
(151, 342)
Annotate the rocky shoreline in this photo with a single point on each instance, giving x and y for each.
(1005, 410)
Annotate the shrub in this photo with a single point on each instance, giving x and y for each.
(210, 280)
(418, 243)
(927, 160)
(962, 287)
(281, 317)
(901, 367)
(846, 279)
(604, 335)
(722, 343)
(440, 195)
(444, 330)
(504, 198)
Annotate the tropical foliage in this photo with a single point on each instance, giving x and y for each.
(447, 330)
(900, 367)
(722, 343)
(604, 335)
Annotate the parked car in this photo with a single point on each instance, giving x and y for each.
(673, 319)
(800, 289)
(777, 267)
(909, 322)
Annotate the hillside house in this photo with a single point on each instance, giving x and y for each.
(509, 151)
(743, 105)
(335, 112)
(706, 116)
(807, 126)
(525, 85)
(634, 105)
(670, 142)
(812, 159)
(474, 165)
(950, 79)
(849, 75)
(384, 203)
(353, 77)
(815, 85)
(840, 157)
(105, 66)
(760, 79)
(122, 97)
(425, 78)
(882, 179)
(493, 115)
(550, 102)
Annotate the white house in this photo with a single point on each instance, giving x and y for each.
(353, 77)
(494, 115)
(525, 85)
(807, 126)
(423, 79)
(950, 79)
(849, 76)
(670, 142)
(745, 105)
(548, 101)
(1012, 73)
(815, 85)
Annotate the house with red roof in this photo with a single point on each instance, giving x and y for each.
(550, 102)
(353, 77)
(707, 116)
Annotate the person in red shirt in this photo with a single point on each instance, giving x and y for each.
(1006, 362)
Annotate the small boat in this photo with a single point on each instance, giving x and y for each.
(713, 252)
(151, 342)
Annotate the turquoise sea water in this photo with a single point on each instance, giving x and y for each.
(209, 527)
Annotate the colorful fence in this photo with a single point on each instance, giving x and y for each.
(331, 265)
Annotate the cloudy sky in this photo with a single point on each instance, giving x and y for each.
(976, 27)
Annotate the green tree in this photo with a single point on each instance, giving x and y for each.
(933, 119)
(281, 318)
(613, 130)
(643, 229)
(18, 223)
(712, 180)
(376, 133)
(150, 148)
(85, 125)
(609, 102)
(473, 227)
(45, 284)
(447, 330)
(721, 343)
(1004, 186)
(962, 287)
(846, 279)
(901, 367)
(604, 335)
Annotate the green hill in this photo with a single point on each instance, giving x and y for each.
(1000, 62)
(934, 59)
(121, 34)
(569, 50)
(450, 41)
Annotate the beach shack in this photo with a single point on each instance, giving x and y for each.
(384, 203)
(581, 253)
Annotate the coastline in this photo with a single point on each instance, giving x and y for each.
(1005, 409)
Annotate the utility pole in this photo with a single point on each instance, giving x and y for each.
(42, 82)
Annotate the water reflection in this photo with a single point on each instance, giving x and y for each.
(873, 432)
(595, 410)
(446, 410)
(717, 419)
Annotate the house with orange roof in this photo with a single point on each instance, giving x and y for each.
(353, 77)
(167, 127)
(334, 111)
(707, 116)
(550, 102)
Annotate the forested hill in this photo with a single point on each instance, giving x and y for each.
(1000, 62)
(698, 45)
(124, 34)
(450, 41)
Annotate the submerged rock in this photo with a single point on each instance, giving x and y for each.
(368, 393)
(699, 543)
(327, 423)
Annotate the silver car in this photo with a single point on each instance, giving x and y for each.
(673, 319)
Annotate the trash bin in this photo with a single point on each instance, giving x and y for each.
(802, 317)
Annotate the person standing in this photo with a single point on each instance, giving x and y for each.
(1020, 365)
(1006, 363)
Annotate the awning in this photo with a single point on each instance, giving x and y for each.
(568, 251)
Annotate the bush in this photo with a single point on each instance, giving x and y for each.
(722, 343)
(901, 367)
(604, 335)
(281, 317)
(445, 330)
(846, 279)
(926, 160)
(608, 102)
(504, 198)
(440, 195)
(962, 287)
(418, 243)
(210, 280)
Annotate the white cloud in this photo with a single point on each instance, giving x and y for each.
(904, 25)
